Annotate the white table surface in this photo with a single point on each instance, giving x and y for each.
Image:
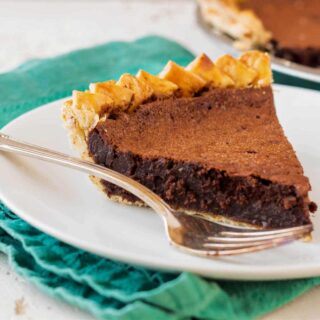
(35, 29)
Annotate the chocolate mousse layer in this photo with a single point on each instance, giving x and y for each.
(295, 26)
(222, 153)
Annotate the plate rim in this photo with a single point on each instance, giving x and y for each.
(243, 273)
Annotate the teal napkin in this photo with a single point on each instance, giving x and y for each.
(106, 288)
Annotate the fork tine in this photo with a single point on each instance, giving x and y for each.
(235, 245)
(267, 232)
(249, 249)
(222, 246)
(248, 239)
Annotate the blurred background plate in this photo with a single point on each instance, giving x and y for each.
(278, 64)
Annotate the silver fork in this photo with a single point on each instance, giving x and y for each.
(193, 234)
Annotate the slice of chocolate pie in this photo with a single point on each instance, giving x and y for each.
(290, 29)
(205, 138)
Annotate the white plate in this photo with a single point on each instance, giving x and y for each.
(64, 204)
(278, 64)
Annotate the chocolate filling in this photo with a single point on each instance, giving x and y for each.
(222, 153)
(189, 186)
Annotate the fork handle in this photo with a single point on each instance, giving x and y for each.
(9, 144)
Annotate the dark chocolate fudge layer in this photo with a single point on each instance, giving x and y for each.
(295, 26)
(222, 153)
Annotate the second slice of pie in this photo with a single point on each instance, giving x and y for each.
(205, 138)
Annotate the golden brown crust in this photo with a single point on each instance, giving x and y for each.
(76, 133)
(160, 87)
(207, 70)
(121, 96)
(243, 25)
(260, 63)
(87, 108)
(141, 89)
(242, 75)
(188, 82)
